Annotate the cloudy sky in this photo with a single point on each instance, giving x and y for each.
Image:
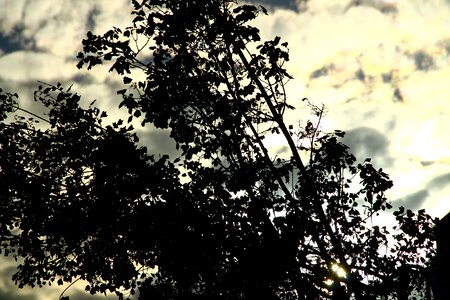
(382, 68)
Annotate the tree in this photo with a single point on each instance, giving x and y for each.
(441, 260)
(225, 219)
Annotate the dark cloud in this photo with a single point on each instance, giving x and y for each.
(81, 295)
(440, 182)
(426, 163)
(8, 291)
(8, 44)
(413, 201)
(82, 79)
(367, 142)
(416, 200)
(289, 4)
(6, 274)
(158, 142)
(15, 40)
(423, 61)
(90, 19)
(13, 296)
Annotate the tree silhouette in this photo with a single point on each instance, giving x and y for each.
(226, 218)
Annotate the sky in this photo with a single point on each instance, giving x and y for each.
(381, 68)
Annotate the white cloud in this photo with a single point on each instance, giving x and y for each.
(26, 66)
(112, 13)
(59, 26)
(12, 15)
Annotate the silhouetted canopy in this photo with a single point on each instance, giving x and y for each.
(225, 218)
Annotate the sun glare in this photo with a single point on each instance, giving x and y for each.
(340, 272)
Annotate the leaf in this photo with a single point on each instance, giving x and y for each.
(263, 9)
(127, 80)
(276, 40)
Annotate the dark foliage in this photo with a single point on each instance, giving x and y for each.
(225, 219)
